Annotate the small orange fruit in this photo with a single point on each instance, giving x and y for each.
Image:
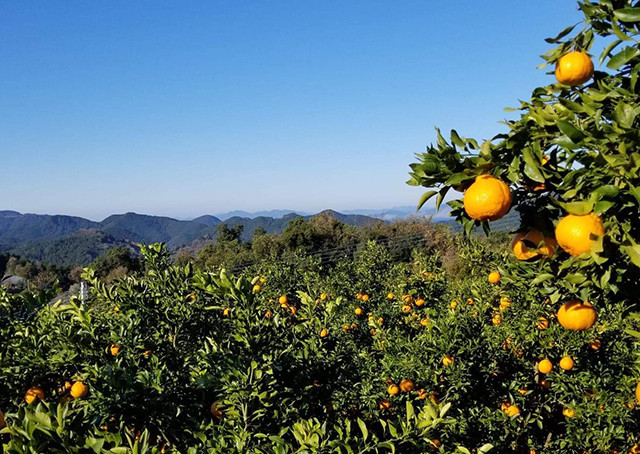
(496, 319)
(470, 301)
(406, 385)
(345, 328)
(453, 304)
(523, 391)
(215, 411)
(542, 323)
(390, 296)
(419, 302)
(638, 392)
(263, 279)
(365, 297)
(359, 296)
(226, 312)
(354, 326)
(114, 349)
(566, 363)
(324, 332)
(528, 245)
(494, 277)
(406, 308)
(487, 199)
(293, 310)
(268, 314)
(577, 316)
(384, 405)
(34, 394)
(545, 366)
(595, 344)
(393, 389)
(323, 297)
(358, 311)
(512, 411)
(569, 412)
(79, 390)
(424, 322)
(447, 360)
(283, 300)
(257, 288)
(575, 233)
(574, 68)
(407, 298)
(545, 383)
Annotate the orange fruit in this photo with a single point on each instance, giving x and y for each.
(358, 311)
(293, 310)
(263, 279)
(569, 412)
(545, 366)
(323, 297)
(324, 332)
(487, 199)
(345, 328)
(268, 314)
(406, 385)
(419, 302)
(359, 296)
(595, 344)
(406, 308)
(575, 233)
(79, 389)
(470, 301)
(407, 298)
(114, 349)
(542, 323)
(365, 297)
(283, 300)
(574, 68)
(390, 296)
(638, 392)
(33, 394)
(422, 394)
(226, 312)
(424, 322)
(354, 326)
(384, 405)
(257, 288)
(527, 245)
(576, 315)
(497, 319)
(447, 360)
(215, 411)
(545, 383)
(393, 389)
(566, 363)
(512, 411)
(452, 305)
(494, 277)
(523, 391)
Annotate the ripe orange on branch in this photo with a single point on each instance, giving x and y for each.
(575, 233)
(487, 199)
(577, 316)
(79, 389)
(542, 245)
(33, 394)
(574, 68)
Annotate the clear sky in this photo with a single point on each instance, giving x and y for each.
(183, 108)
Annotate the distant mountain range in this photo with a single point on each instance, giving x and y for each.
(388, 214)
(69, 240)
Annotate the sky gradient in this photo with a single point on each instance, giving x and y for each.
(187, 108)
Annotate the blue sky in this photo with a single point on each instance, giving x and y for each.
(185, 108)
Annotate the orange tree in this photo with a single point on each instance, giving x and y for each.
(570, 167)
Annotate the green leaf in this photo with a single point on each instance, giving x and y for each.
(363, 429)
(623, 57)
(573, 133)
(624, 115)
(532, 166)
(579, 208)
(456, 140)
(423, 199)
(561, 35)
(607, 50)
(633, 252)
(628, 14)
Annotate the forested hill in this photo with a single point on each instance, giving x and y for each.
(68, 240)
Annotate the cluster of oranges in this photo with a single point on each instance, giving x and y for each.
(76, 390)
